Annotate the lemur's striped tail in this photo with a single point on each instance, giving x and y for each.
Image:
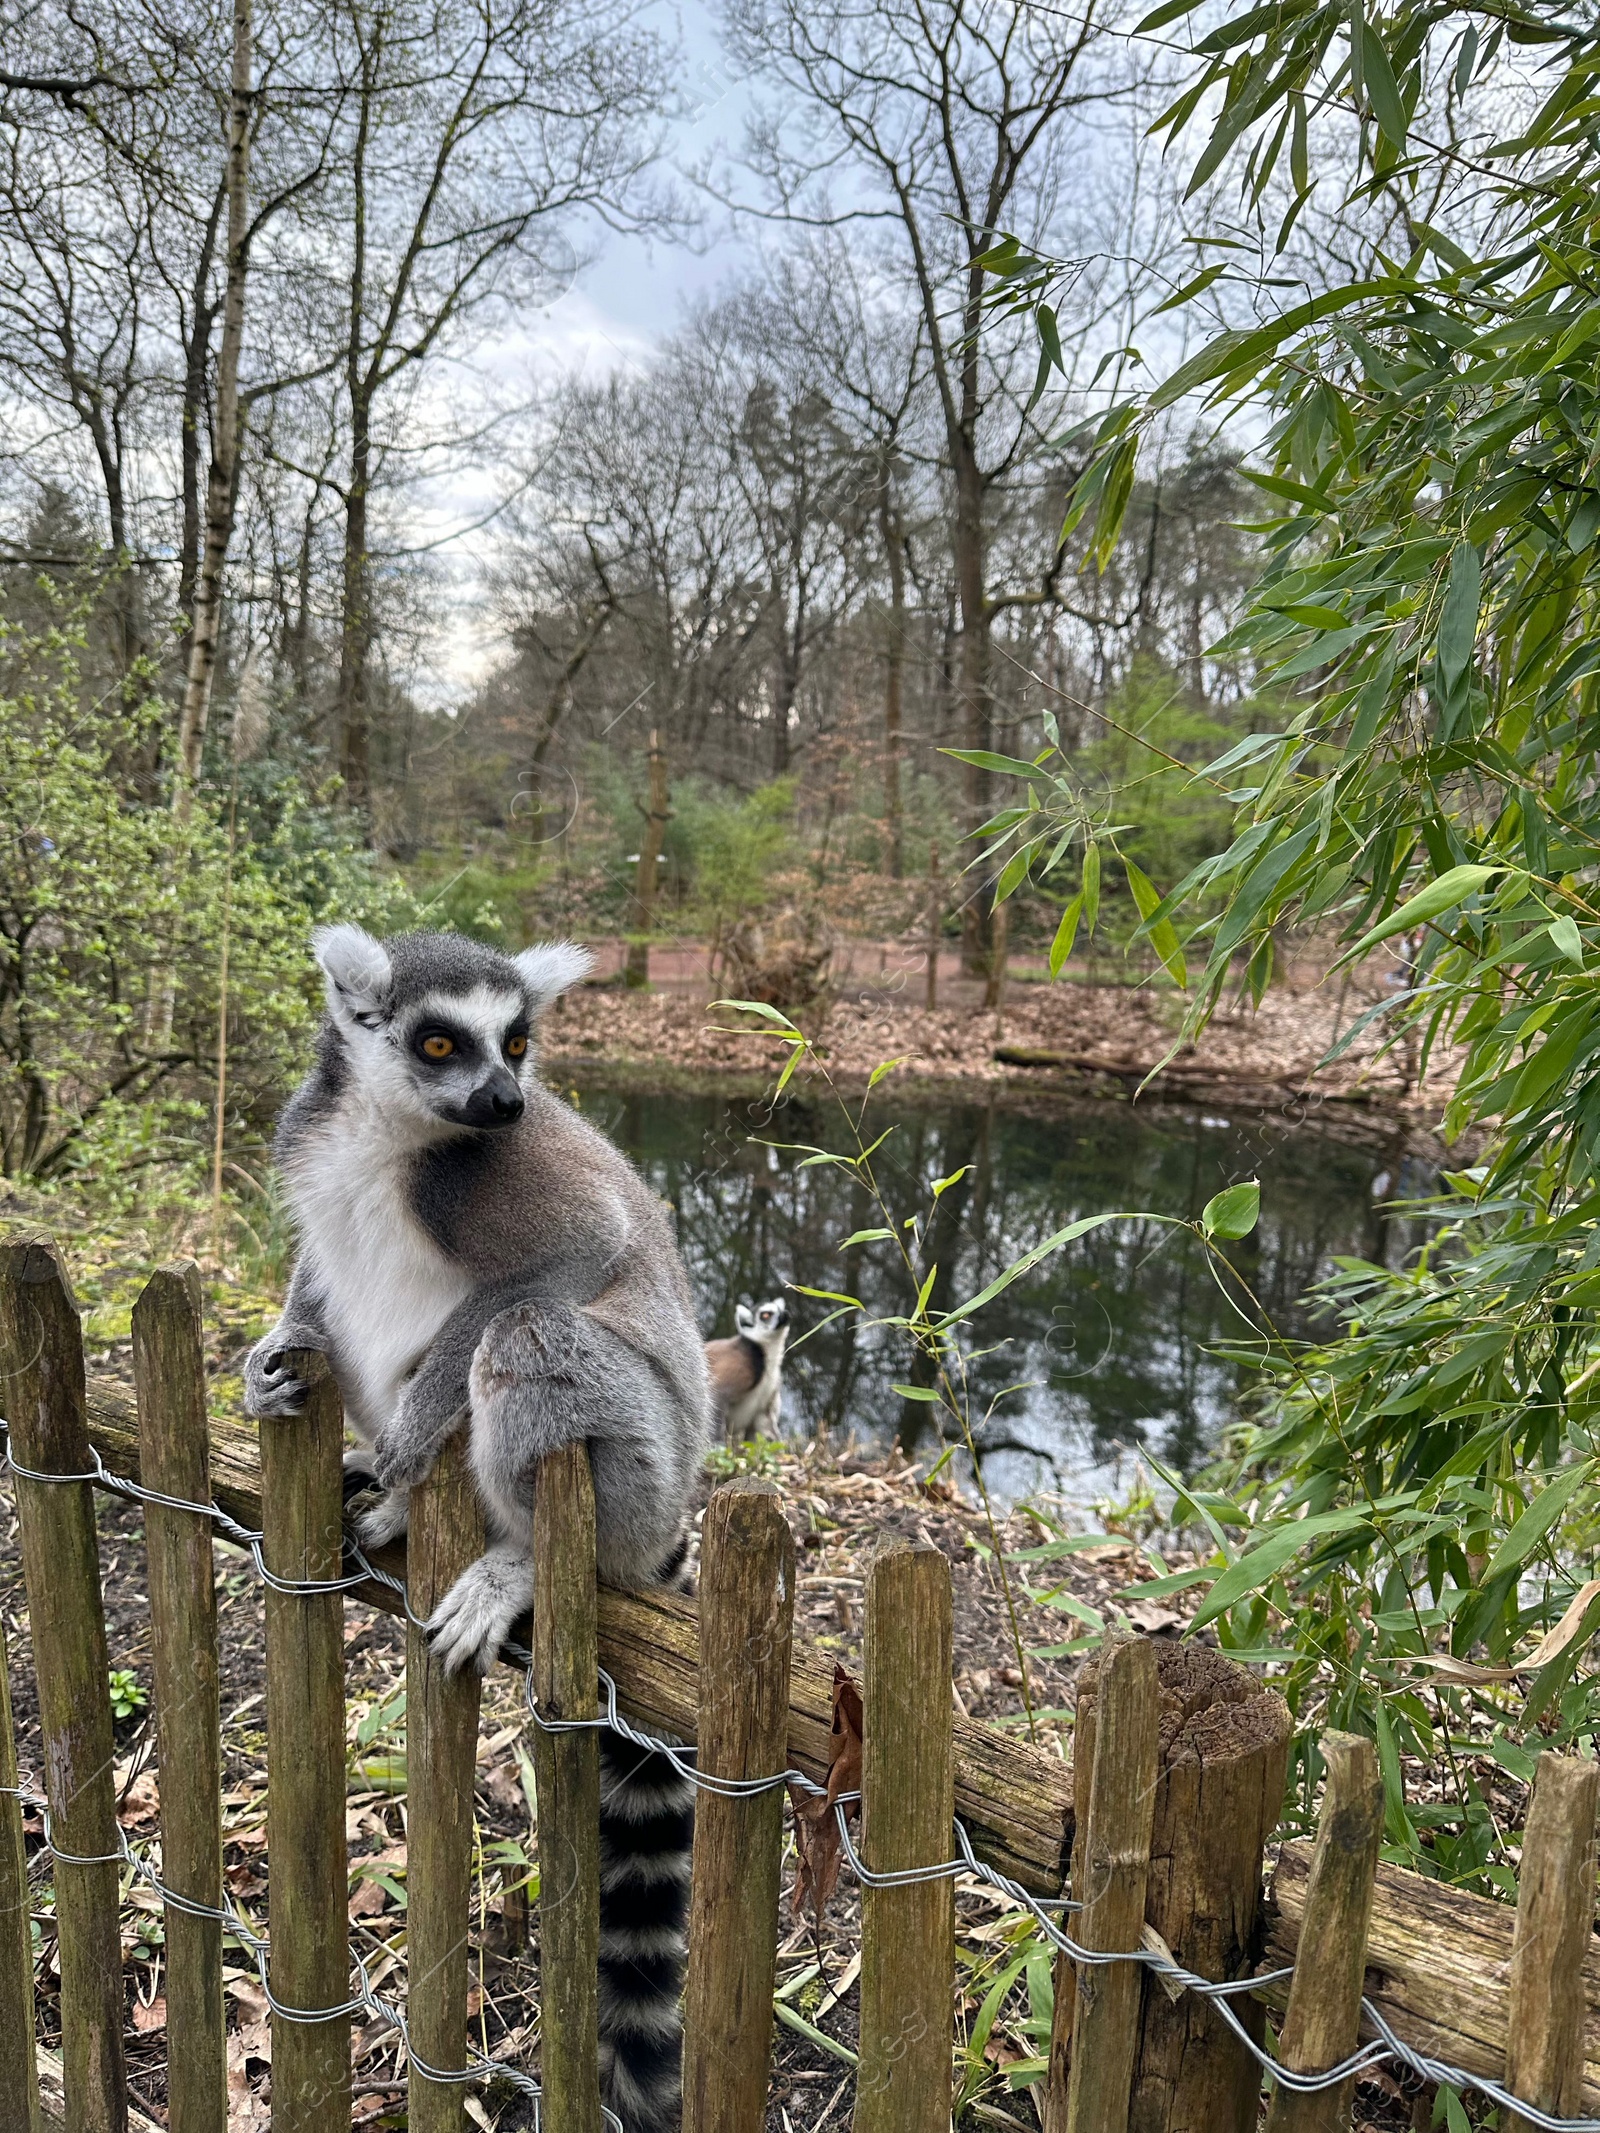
(646, 1832)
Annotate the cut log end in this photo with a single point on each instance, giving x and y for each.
(1212, 1711)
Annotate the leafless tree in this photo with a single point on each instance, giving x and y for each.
(936, 128)
(474, 135)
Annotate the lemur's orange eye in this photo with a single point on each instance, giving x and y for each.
(437, 1046)
(516, 1047)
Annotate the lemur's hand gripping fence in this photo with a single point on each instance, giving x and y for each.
(1107, 2043)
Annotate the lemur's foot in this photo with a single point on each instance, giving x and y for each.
(387, 1519)
(474, 1618)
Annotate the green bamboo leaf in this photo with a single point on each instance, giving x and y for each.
(1537, 1520)
(1274, 1552)
(1114, 501)
(1451, 888)
(1458, 623)
(1383, 91)
(1066, 934)
(1564, 932)
(1244, 348)
(1027, 1263)
(1169, 11)
(759, 1007)
(1191, 289)
(1163, 934)
(1013, 875)
(802, 2028)
(1233, 1213)
(1009, 766)
(988, 2013)
(1091, 885)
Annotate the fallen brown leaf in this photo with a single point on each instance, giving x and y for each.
(369, 1898)
(249, 1998)
(819, 1847)
(142, 1803)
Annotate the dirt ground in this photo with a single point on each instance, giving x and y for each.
(1070, 1033)
(838, 1512)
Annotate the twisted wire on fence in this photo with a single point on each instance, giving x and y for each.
(1384, 2046)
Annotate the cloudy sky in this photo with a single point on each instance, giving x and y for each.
(629, 293)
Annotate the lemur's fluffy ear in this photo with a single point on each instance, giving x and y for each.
(357, 969)
(743, 1317)
(552, 969)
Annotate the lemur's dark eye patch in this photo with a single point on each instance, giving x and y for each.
(436, 1044)
(516, 1046)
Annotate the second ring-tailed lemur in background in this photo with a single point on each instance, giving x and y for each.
(467, 1243)
(747, 1372)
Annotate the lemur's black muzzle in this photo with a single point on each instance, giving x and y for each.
(498, 1101)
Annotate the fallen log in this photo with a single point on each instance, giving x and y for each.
(1176, 1079)
(1015, 1801)
(1438, 1966)
(53, 2099)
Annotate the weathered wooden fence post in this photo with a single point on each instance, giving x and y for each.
(1109, 1880)
(567, 1771)
(1219, 1792)
(169, 1371)
(1555, 1922)
(746, 1633)
(41, 1356)
(444, 1536)
(1323, 2023)
(307, 1861)
(19, 2072)
(907, 1820)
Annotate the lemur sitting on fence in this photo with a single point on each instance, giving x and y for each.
(747, 1372)
(469, 1243)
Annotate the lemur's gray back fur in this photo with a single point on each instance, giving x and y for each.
(469, 1243)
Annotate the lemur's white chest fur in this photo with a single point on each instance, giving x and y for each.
(385, 1287)
(758, 1408)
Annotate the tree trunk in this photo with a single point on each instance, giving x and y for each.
(558, 702)
(297, 634)
(894, 669)
(197, 349)
(783, 702)
(658, 813)
(976, 721)
(355, 641)
(222, 485)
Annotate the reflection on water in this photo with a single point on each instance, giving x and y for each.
(1102, 1349)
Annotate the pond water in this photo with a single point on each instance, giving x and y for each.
(1101, 1352)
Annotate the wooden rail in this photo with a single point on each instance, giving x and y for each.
(1015, 1801)
(1438, 1966)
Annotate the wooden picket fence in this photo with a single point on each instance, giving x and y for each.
(1163, 1822)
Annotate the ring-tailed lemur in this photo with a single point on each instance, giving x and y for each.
(468, 1242)
(747, 1372)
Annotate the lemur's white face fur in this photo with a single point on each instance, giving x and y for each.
(437, 1030)
(767, 1325)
